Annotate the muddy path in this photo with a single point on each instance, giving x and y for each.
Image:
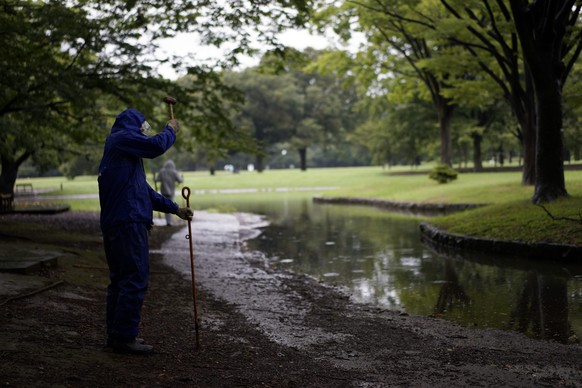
(258, 326)
(373, 345)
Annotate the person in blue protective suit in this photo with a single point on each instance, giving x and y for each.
(127, 204)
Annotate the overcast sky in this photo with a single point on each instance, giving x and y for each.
(186, 45)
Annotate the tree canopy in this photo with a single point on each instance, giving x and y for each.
(69, 66)
(526, 48)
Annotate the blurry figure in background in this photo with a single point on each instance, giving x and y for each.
(168, 176)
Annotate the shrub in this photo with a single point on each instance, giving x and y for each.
(443, 173)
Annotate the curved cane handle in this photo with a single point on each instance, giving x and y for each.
(186, 195)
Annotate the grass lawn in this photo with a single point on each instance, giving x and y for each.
(510, 216)
(521, 221)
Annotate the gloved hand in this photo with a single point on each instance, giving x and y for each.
(175, 125)
(185, 213)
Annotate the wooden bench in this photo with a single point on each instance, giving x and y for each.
(23, 188)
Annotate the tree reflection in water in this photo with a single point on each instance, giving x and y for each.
(542, 308)
(452, 293)
(380, 258)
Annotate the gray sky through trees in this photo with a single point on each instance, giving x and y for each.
(189, 47)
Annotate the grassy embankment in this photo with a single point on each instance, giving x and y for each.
(511, 215)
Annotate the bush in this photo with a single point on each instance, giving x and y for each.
(443, 173)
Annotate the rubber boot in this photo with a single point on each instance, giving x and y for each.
(130, 346)
(110, 340)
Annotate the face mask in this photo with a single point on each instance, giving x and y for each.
(145, 127)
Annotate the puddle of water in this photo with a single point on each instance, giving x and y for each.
(380, 258)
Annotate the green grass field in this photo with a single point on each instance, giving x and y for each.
(510, 216)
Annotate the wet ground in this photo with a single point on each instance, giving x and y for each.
(258, 326)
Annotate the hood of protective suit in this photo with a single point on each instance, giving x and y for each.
(129, 120)
(169, 165)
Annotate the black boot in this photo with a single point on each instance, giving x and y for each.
(130, 346)
(110, 340)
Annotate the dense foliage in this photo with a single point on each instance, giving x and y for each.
(457, 82)
(68, 67)
(471, 54)
(443, 173)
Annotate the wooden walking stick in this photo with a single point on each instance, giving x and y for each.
(186, 195)
(156, 187)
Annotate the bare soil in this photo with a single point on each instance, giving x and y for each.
(55, 338)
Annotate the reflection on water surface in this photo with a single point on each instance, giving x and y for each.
(380, 258)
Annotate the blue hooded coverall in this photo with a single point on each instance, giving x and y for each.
(127, 203)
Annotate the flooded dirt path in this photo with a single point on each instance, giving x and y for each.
(230, 273)
(374, 347)
(260, 327)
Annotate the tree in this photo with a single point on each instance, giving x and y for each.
(509, 41)
(400, 40)
(535, 45)
(573, 115)
(211, 104)
(485, 124)
(48, 53)
(397, 134)
(288, 101)
(484, 29)
(67, 65)
(328, 103)
(64, 63)
(272, 107)
(547, 33)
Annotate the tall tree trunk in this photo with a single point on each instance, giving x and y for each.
(528, 143)
(260, 138)
(523, 107)
(259, 163)
(445, 111)
(303, 158)
(541, 28)
(528, 132)
(8, 177)
(550, 182)
(477, 162)
(211, 166)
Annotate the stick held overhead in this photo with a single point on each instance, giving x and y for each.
(171, 101)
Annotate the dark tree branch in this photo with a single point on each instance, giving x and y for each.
(22, 158)
(429, 24)
(555, 218)
(501, 4)
(487, 45)
(572, 42)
